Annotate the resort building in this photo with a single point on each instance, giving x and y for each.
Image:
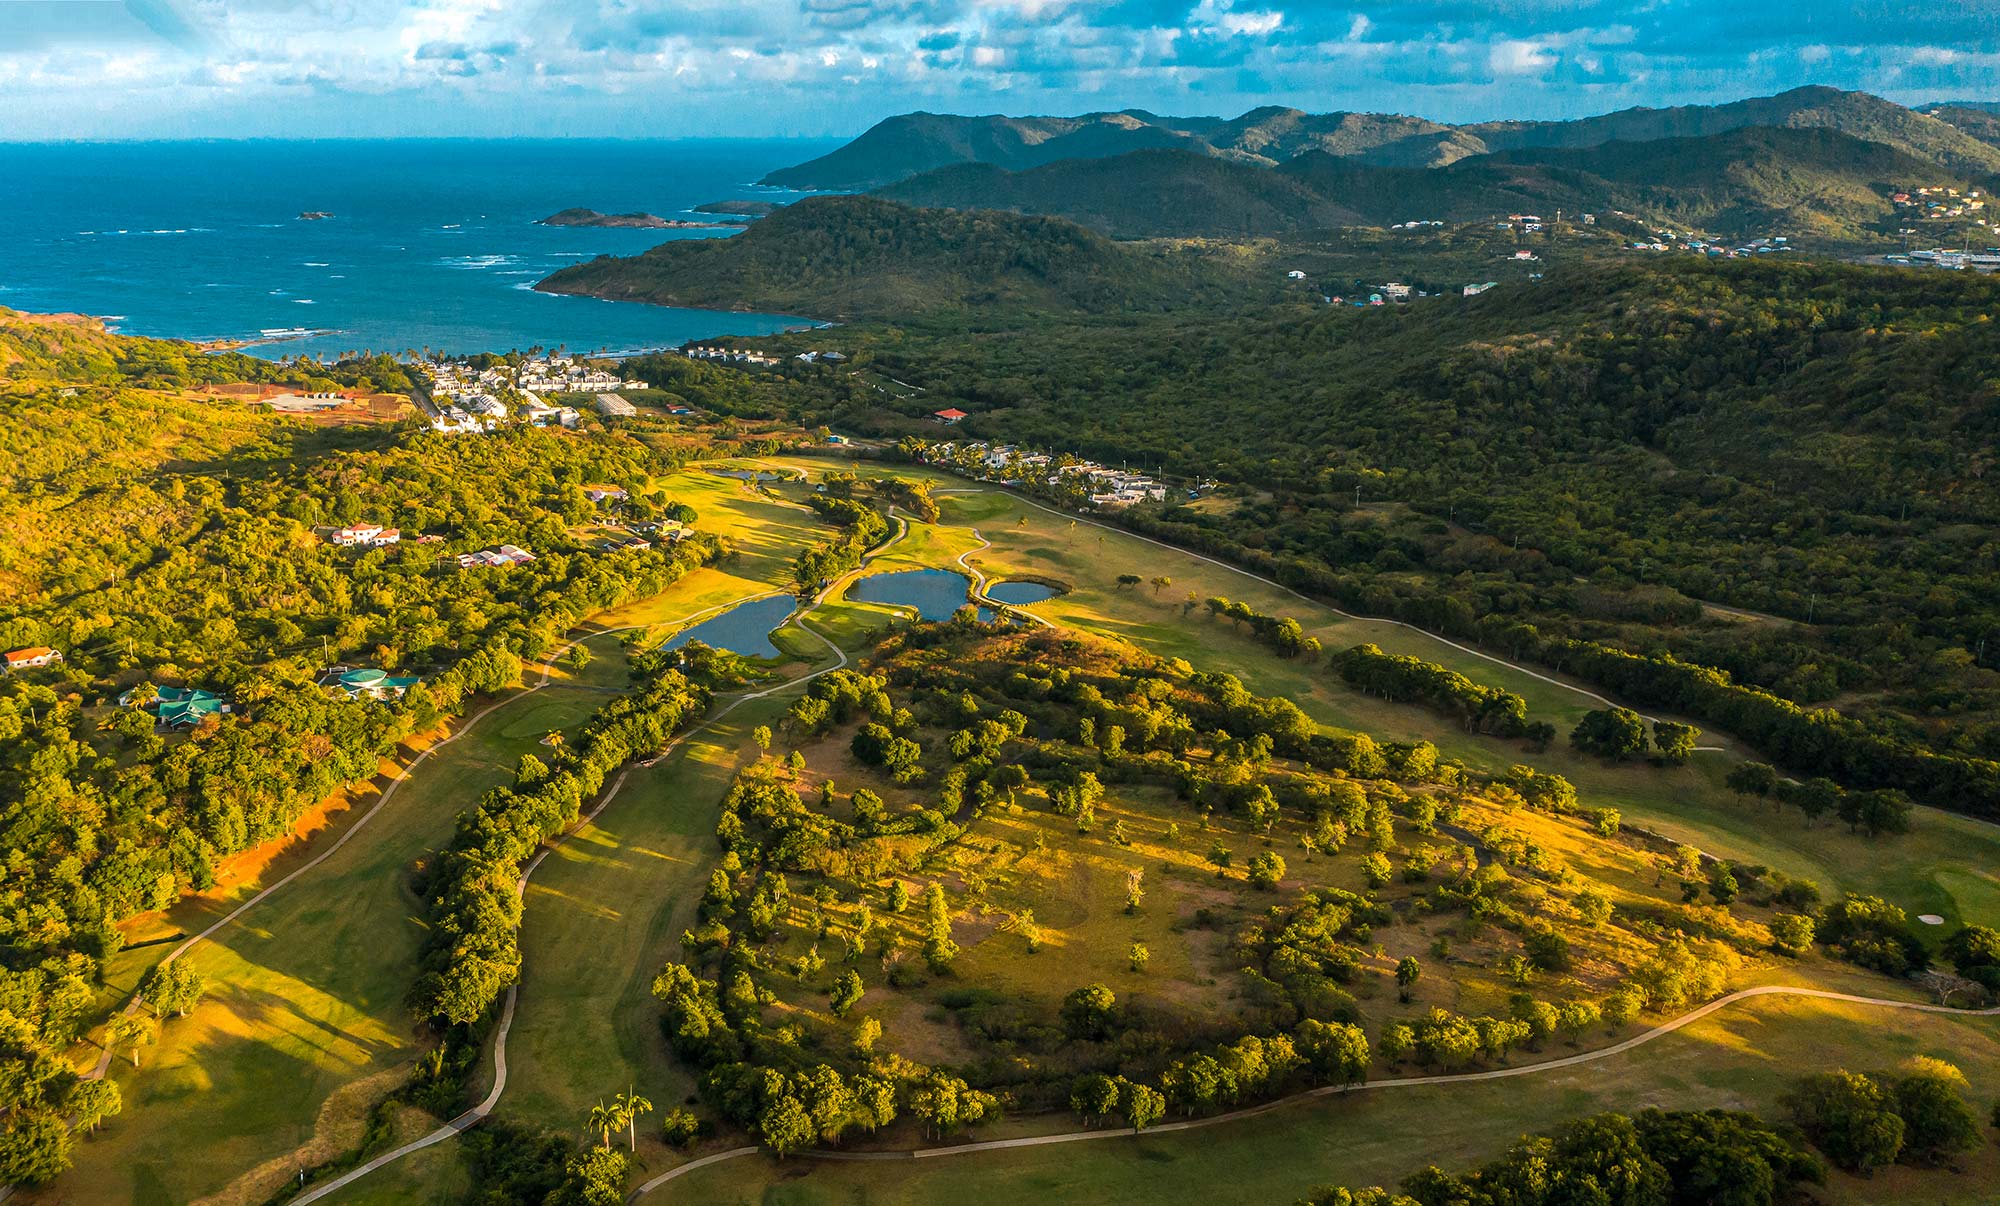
(179, 707)
(30, 658)
(363, 535)
(506, 554)
(365, 682)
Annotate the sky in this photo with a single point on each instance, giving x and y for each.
(106, 69)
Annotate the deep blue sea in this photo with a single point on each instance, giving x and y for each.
(431, 243)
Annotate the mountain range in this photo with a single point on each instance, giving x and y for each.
(1747, 181)
(912, 144)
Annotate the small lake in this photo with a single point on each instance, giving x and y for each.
(1020, 594)
(752, 475)
(744, 628)
(936, 594)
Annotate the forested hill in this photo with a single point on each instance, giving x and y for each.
(840, 257)
(1745, 182)
(911, 144)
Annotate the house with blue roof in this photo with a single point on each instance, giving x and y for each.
(178, 707)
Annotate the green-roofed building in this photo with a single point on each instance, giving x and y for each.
(179, 707)
(366, 682)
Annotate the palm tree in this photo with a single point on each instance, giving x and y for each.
(602, 1120)
(629, 1106)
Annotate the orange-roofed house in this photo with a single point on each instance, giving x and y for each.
(29, 659)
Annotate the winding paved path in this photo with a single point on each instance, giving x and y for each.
(1404, 1082)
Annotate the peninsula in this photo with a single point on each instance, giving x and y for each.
(634, 221)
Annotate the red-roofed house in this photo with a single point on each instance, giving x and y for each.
(950, 418)
(28, 659)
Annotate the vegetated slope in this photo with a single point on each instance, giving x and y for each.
(1755, 180)
(1147, 193)
(842, 256)
(909, 145)
(1976, 120)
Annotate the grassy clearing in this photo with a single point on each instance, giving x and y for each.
(1740, 1058)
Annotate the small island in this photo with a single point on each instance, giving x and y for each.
(314, 215)
(636, 221)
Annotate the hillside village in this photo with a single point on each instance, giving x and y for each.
(476, 396)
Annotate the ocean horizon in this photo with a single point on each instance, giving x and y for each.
(429, 243)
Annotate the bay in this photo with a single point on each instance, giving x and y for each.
(430, 243)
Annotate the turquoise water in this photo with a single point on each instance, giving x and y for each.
(1020, 594)
(431, 243)
(935, 593)
(744, 628)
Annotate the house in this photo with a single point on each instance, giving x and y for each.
(179, 707)
(33, 657)
(1295, 275)
(364, 682)
(1476, 290)
(598, 494)
(1524, 254)
(362, 535)
(950, 418)
(615, 406)
(506, 554)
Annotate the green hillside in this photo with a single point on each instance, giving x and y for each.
(1744, 182)
(911, 144)
(838, 257)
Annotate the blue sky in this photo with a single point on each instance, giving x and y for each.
(354, 68)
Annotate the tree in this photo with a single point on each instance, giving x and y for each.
(1334, 1051)
(1094, 1096)
(1140, 1105)
(602, 1119)
(1408, 972)
(93, 1100)
(1674, 741)
(1266, 869)
(785, 1125)
(35, 1145)
(629, 1106)
(1792, 933)
(1125, 580)
(761, 735)
(1139, 957)
(867, 1032)
(172, 988)
(1930, 1099)
(1975, 951)
(1087, 1012)
(1160, 583)
(847, 992)
(1614, 733)
(1849, 1117)
(1758, 779)
(1377, 870)
(133, 1031)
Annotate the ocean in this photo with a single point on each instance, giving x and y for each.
(431, 243)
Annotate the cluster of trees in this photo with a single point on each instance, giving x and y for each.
(861, 526)
(1620, 733)
(1917, 1115)
(1282, 633)
(1653, 1158)
(472, 952)
(1882, 810)
(1404, 679)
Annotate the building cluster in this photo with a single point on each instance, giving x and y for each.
(723, 355)
(1667, 240)
(1937, 203)
(1953, 259)
(1065, 475)
(821, 358)
(470, 399)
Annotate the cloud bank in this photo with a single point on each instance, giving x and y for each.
(231, 68)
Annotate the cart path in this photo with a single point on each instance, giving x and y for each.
(1404, 1082)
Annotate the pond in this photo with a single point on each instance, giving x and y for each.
(1020, 594)
(936, 594)
(744, 628)
(752, 475)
